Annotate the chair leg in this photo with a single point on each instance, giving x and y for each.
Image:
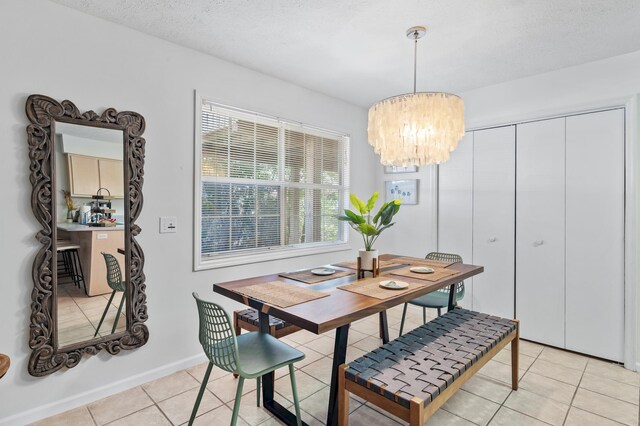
(115, 323)
(238, 331)
(203, 386)
(104, 314)
(81, 276)
(439, 311)
(258, 384)
(294, 390)
(424, 315)
(404, 315)
(236, 403)
(72, 269)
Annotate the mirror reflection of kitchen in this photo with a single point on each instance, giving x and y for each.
(91, 233)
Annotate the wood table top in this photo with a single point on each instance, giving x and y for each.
(341, 307)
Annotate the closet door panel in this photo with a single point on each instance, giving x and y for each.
(595, 234)
(493, 220)
(540, 245)
(455, 207)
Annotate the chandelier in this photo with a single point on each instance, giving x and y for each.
(419, 128)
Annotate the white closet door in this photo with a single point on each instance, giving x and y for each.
(455, 207)
(595, 234)
(540, 231)
(493, 220)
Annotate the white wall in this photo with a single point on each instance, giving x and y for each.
(607, 82)
(59, 52)
(414, 232)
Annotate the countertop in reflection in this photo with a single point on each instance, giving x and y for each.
(76, 227)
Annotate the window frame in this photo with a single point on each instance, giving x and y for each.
(242, 257)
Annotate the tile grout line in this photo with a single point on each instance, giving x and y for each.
(133, 412)
(156, 405)
(566, 416)
(91, 415)
(511, 391)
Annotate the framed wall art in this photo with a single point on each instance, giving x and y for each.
(407, 190)
(400, 169)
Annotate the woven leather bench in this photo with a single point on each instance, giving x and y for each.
(247, 319)
(413, 375)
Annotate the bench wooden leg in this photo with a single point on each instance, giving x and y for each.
(416, 412)
(515, 348)
(343, 398)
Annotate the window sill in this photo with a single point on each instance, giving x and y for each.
(266, 256)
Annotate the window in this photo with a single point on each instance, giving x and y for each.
(266, 188)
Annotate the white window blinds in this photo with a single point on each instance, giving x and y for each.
(267, 185)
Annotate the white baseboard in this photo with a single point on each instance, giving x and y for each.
(39, 413)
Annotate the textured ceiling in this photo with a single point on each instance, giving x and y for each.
(356, 50)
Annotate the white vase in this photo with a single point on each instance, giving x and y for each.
(366, 259)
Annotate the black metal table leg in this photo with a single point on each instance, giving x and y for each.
(384, 327)
(339, 358)
(452, 293)
(268, 384)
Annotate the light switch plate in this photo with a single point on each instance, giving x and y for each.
(168, 224)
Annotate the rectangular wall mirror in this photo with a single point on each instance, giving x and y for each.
(87, 174)
(91, 276)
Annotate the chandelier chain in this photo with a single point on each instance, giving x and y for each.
(415, 60)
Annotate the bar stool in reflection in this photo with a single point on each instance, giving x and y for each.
(69, 263)
(114, 280)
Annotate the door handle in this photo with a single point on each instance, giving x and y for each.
(537, 243)
(493, 239)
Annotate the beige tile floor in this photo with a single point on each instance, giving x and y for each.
(556, 388)
(79, 314)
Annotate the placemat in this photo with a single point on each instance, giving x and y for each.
(438, 274)
(308, 278)
(280, 294)
(406, 260)
(383, 264)
(371, 287)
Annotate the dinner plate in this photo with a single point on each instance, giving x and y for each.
(323, 271)
(421, 270)
(394, 285)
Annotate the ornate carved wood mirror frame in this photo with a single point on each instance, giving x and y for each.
(43, 112)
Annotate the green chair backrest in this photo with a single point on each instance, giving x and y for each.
(448, 257)
(216, 335)
(114, 275)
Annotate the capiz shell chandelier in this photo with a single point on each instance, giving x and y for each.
(419, 128)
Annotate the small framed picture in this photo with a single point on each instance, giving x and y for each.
(400, 169)
(407, 190)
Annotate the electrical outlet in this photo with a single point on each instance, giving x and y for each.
(168, 224)
(102, 236)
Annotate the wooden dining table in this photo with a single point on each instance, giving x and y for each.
(336, 312)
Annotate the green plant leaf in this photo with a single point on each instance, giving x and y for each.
(358, 204)
(372, 201)
(377, 216)
(387, 214)
(367, 229)
(385, 227)
(354, 217)
(345, 218)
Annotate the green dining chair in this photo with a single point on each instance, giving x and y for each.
(436, 299)
(250, 355)
(114, 280)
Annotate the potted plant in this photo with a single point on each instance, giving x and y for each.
(370, 228)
